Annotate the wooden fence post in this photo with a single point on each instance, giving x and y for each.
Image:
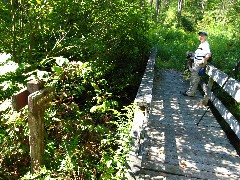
(36, 107)
(36, 98)
(36, 139)
(34, 85)
(36, 127)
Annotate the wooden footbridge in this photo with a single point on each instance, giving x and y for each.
(167, 143)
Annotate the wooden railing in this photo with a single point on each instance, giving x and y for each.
(143, 102)
(230, 86)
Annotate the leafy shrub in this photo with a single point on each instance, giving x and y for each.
(85, 137)
(108, 42)
(187, 25)
(14, 147)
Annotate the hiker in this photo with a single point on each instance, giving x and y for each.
(202, 54)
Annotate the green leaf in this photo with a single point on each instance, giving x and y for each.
(57, 69)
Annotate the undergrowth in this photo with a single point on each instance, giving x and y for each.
(85, 138)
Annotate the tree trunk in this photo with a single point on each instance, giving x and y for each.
(201, 5)
(14, 33)
(158, 2)
(180, 2)
(151, 3)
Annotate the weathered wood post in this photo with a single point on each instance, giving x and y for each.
(36, 127)
(36, 107)
(36, 97)
(35, 85)
(207, 91)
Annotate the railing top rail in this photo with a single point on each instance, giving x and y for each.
(232, 86)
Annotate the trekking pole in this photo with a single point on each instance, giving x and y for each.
(234, 70)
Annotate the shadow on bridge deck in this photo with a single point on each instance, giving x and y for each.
(174, 147)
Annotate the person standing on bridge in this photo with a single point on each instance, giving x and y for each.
(202, 54)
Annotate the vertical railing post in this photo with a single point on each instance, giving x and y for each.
(207, 91)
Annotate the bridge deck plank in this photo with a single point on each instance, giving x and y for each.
(174, 147)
